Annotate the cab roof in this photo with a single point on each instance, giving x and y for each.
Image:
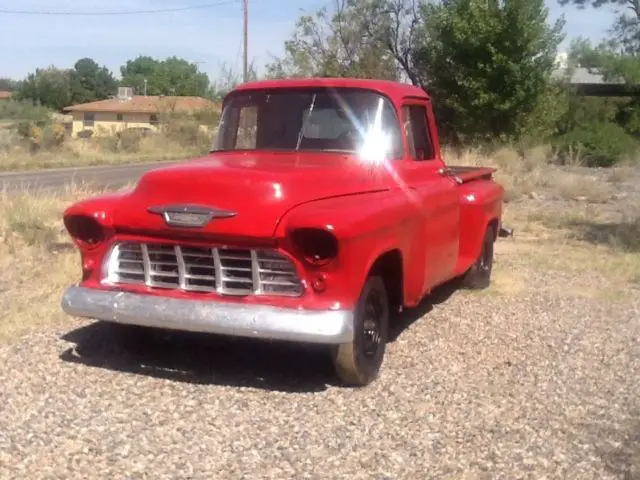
(395, 90)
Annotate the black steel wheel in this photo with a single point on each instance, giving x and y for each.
(358, 363)
(479, 275)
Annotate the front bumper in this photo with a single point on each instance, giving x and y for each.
(257, 321)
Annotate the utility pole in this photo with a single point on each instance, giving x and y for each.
(245, 13)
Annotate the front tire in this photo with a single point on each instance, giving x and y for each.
(358, 363)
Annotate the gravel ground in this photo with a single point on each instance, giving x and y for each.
(536, 384)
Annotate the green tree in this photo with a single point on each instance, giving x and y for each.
(49, 87)
(604, 128)
(625, 31)
(394, 26)
(617, 57)
(341, 44)
(228, 79)
(489, 66)
(8, 84)
(90, 82)
(171, 76)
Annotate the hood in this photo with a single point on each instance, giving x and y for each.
(259, 189)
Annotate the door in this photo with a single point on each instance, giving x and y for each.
(437, 194)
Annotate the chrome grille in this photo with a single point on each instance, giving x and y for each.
(230, 271)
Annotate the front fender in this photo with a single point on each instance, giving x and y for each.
(101, 206)
(366, 225)
(349, 216)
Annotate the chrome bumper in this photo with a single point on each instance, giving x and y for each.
(258, 321)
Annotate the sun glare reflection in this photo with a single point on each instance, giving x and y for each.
(376, 143)
(375, 148)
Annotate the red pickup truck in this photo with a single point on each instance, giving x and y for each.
(323, 208)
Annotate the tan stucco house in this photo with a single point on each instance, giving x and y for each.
(131, 111)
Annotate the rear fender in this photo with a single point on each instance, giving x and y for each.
(480, 206)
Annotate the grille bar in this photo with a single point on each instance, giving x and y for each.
(181, 267)
(229, 271)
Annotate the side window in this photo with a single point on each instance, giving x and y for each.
(416, 128)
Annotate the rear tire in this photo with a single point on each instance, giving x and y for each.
(478, 277)
(358, 363)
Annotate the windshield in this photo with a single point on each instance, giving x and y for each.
(325, 120)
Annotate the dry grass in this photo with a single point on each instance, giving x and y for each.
(34, 147)
(576, 260)
(79, 152)
(535, 174)
(36, 260)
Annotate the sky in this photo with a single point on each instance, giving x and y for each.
(212, 37)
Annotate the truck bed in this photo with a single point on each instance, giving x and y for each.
(464, 174)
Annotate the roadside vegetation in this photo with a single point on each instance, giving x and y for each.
(34, 137)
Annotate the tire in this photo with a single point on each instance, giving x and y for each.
(478, 277)
(358, 363)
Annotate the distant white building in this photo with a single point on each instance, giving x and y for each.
(562, 60)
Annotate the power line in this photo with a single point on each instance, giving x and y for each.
(131, 12)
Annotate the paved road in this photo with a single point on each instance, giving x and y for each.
(102, 176)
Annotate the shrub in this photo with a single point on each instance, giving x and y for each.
(85, 133)
(129, 140)
(109, 143)
(123, 141)
(187, 133)
(8, 139)
(602, 144)
(24, 129)
(24, 111)
(35, 136)
(54, 136)
(208, 116)
(41, 136)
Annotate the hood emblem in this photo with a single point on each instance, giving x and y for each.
(189, 216)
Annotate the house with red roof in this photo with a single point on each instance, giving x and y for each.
(131, 111)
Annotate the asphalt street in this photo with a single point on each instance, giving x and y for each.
(101, 176)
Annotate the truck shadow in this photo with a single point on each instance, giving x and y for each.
(217, 360)
(409, 316)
